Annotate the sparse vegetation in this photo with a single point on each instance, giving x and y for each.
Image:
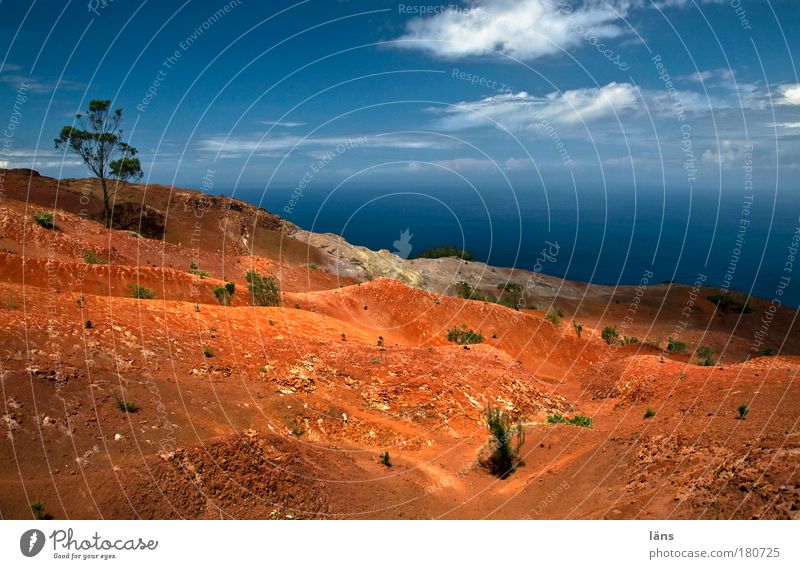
(138, 291)
(313, 266)
(768, 352)
(676, 346)
(649, 414)
(743, 409)
(87, 324)
(264, 290)
(553, 317)
(446, 251)
(610, 335)
(385, 460)
(45, 219)
(705, 356)
(510, 295)
(577, 420)
(194, 269)
(466, 290)
(462, 335)
(126, 405)
(578, 328)
(208, 352)
(506, 442)
(38, 511)
(224, 294)
(632, 341)
(729, 302)
(91, 257)
(380, 341)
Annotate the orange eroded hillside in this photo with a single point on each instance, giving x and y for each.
(182, 406)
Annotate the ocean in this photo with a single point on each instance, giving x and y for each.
(732, 240)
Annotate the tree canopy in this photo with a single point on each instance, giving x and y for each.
(97, 140)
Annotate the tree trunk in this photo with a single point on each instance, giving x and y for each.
(106, 205)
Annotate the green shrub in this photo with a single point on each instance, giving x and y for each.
(649, 414)
(380, 341)
(768, 352)
(126, 405)
(705, 356)
(506, 442)
(743, 409)
(313, 266)
(610, 335)
(225, 293)
(466, 290)
(676, 346)
(578, 328)
(728, 302)
(553, 317)
(208, 352)
(195, 270)
(577, 420)
(510, 295)
(141, 292)
(385, 460)
(581, 421)
(632, 341)
(462, 335)
(45, 219)
(87, 324)
(446, 251)
(264, 290)
(37, 509)
(90, 257)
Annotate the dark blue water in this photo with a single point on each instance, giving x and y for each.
(602, 238)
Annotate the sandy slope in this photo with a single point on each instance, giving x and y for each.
(282, 412)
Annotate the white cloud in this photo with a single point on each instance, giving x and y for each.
(684, 3)
(37, 159)
(12, 75)
(525, 29)
(708, 75)
(284, 124)
(790, 95)
(277, 146)
(519, 111)
(727, 153)
(787, 125)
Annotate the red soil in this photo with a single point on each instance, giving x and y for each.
(252, 412)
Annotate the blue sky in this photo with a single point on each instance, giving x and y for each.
(384, 94)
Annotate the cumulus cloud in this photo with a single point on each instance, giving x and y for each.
(790, 95)
(520, 111)
(524, 29)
